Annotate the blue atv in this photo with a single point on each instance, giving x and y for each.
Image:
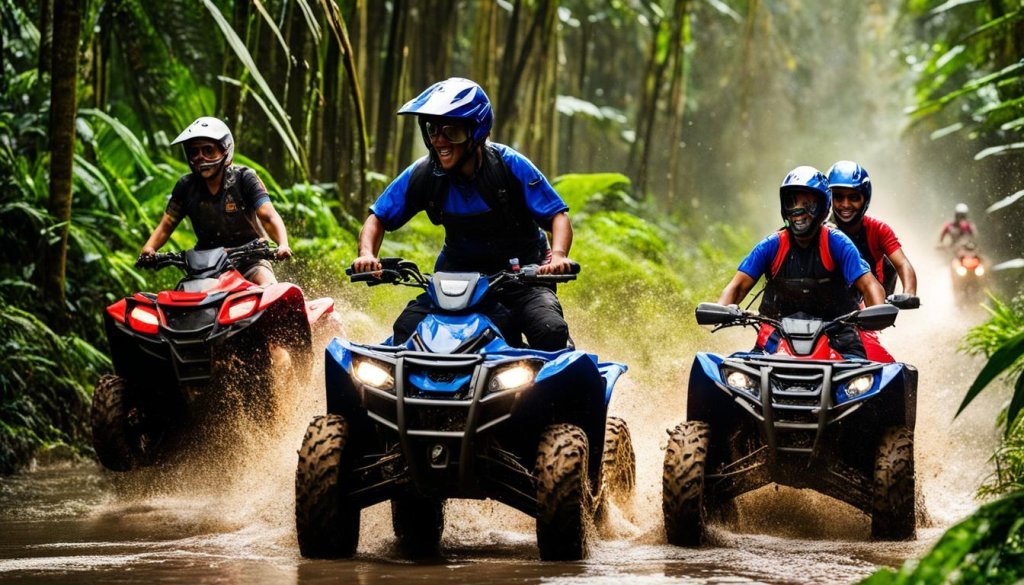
(799, 415)
(458, 412)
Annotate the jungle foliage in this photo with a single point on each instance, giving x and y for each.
(971, 84)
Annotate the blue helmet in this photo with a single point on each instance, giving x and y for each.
(809, 180)
(849, 174)
(454, 98)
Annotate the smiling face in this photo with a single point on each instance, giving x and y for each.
(801, 207)
(846, 203)
(450, 139)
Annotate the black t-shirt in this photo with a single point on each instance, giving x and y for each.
(227, 218)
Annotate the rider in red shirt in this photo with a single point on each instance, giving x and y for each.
(875, 240)
(959, 231)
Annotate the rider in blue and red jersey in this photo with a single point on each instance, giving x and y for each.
(808, 267)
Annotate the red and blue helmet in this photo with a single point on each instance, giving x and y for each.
(454, 98)
(851, 175)
(809, 180)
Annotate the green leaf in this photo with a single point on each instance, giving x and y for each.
(999, 150)
(1005, 201)
(280, 121)
(1016, 404)
(1001, 360)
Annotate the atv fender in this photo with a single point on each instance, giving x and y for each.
(706, 395)
(318, 308)
(568, 389)
(282, 291)
(342, 396)
(610, 371)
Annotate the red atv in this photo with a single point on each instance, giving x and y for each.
(211, 346)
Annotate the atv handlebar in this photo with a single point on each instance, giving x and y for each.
(255, 250)
(404, 272)
(870, 318)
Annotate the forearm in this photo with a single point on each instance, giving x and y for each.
(561, 234)
(737, 289)
(275, 229)
(162, 233)
(371, 236)
(870, 289)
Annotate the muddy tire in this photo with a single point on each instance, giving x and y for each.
(118, 445)
(893, 514)
(682, 483)
(564, 501)
(618, 462)
(327, 527)
(418, 524)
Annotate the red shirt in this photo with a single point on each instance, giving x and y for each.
(875, 241)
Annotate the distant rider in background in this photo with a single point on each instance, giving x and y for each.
(227, 204)
(959, 231)
(808, 267)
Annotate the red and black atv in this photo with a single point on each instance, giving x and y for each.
(211, 346)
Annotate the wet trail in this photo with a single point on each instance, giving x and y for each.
(227, 517)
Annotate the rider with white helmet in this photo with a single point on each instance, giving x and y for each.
(961, 231)
(227, 204)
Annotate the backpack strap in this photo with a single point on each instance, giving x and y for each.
(824, 251)
(780, 254)
(501, 190)
(428, 190)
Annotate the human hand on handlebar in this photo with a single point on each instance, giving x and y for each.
(366, 263)
(559, 264)
(283, 252)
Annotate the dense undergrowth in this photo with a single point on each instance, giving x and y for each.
(642, 272)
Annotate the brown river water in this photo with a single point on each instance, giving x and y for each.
(228, 517)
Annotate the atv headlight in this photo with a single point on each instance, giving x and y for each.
(979, 271)
(859, 385)
(374, 375)
(961, 270)
(742, 381)
(511, 377)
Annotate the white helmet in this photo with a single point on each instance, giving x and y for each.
(960, 208)
(212, 128)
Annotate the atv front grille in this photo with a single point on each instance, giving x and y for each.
(796, 394)
(189, 319)
(444, 419)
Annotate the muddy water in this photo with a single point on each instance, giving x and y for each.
(226, 516)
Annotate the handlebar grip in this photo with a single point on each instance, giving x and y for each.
(551, 278)
(361, 276)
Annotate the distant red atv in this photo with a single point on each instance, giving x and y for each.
(201, 351)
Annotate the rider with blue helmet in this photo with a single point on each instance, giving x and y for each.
(807, 266)
(876, 241)
(494, 204)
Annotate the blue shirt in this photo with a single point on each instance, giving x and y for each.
(542, 201)
(845, 255)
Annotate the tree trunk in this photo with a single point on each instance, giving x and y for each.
(389, 86)
(45, 36)
(678, 98)
(67, 27)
